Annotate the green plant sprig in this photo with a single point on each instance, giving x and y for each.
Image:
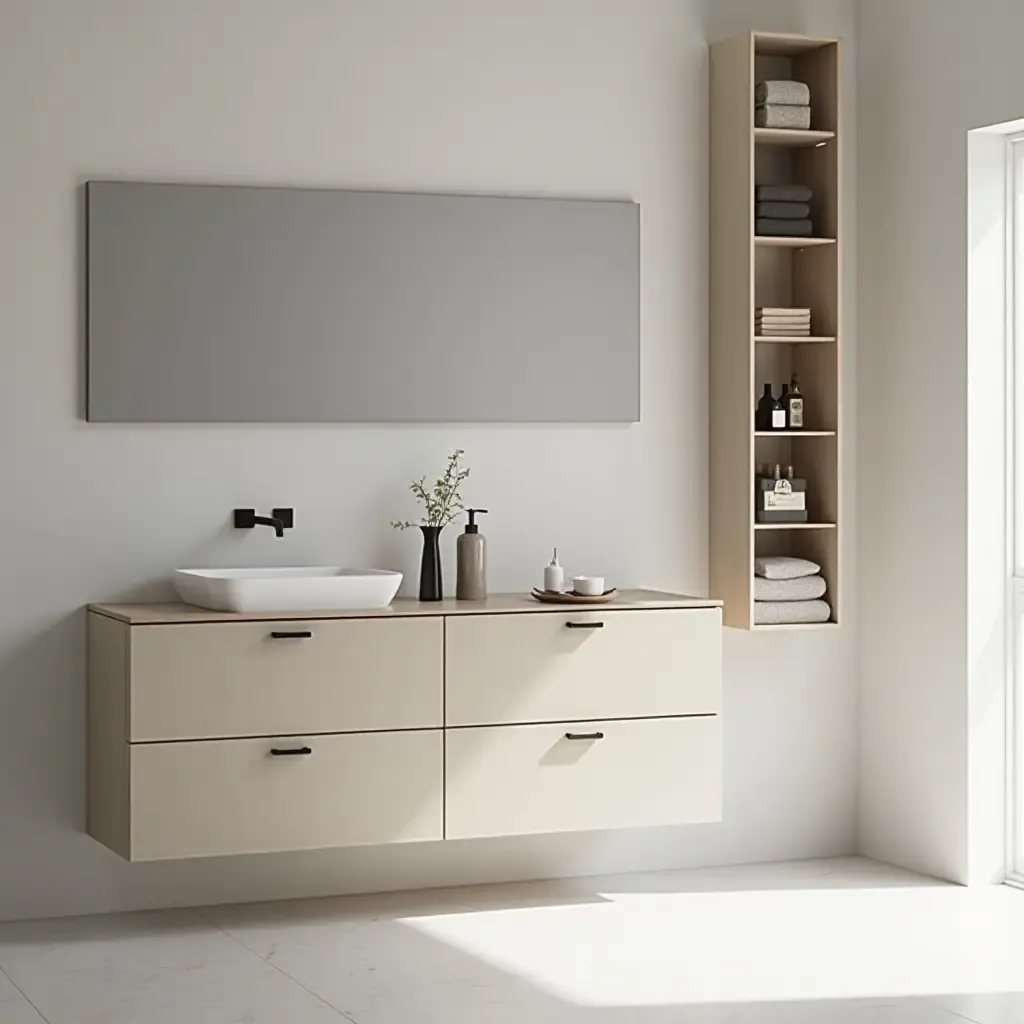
(443, 502)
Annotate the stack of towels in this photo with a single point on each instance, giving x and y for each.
(783, 210)
(782, 104)
(782, 321)
(788, 591)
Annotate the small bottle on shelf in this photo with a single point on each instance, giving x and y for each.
(763, 416)
(794, 406)
(771, 414)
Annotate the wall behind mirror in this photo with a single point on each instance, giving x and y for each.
(240, 304)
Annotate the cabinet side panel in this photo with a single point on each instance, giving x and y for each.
(108, 777)
(732, 316)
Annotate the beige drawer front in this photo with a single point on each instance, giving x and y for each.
(507, 780)
(234, 679)
(218, 797)
(571, 665)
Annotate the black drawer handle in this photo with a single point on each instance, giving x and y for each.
(584, 625)
(298, 634)
(584, 735)
(290, 751)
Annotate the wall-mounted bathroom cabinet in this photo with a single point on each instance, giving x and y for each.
(214, 734)
(748, 272)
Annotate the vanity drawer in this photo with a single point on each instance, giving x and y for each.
(573, 664)
(237, 679)
(507, 780)
(216, 797)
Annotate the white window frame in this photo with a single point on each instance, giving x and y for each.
(1015, 511)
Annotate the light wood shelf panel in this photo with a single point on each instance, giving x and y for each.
(791, 242)
(788, 44)
(749, 270)
(787, 626)
(796, 137)
(794, 526)
(795, 433)
(792, 339)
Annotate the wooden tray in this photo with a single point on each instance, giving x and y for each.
(568, 597)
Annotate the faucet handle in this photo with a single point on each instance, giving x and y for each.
(245, 518)
(285, 515)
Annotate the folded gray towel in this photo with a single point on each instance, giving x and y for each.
(783, 613)
(784, 567)
(776, 115)
(786, 211)
(775, 226)
(783, 193)
(806, 588)
(797, 94)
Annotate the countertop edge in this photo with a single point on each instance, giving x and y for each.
(176, 613)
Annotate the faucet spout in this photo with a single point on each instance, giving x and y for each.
(270, 521)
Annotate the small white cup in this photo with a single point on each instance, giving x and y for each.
(589, 586)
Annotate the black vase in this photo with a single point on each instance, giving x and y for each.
(431, 583)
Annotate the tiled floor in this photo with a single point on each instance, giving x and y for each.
(836, 942)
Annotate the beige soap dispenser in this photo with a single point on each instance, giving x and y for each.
(471, 560)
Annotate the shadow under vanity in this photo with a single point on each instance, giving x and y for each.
(217, 733)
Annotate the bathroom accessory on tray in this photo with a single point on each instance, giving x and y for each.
(554, 576)
(588, 586)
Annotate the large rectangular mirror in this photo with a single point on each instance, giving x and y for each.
(238, 304)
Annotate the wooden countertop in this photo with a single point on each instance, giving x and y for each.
(175, 612)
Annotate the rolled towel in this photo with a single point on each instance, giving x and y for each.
(774, 226)
(784, 567)
(787, 211)
(783, 193)
(786, 613)
(805, 588)
(776, 115)
(795, 94)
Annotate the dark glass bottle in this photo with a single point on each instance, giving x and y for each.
(794, 406)
(763, 417)
(770, 413)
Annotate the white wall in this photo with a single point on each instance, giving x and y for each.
(572, 97)
(928, 73)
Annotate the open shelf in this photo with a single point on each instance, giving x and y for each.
(791, 339)
(794, 526)
(796, 137)
(791, 241)
(749, 271)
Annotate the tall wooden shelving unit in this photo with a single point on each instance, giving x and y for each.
(747, 272)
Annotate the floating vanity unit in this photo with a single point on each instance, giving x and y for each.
(218, 733)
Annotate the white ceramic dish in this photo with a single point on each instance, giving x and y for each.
(305, 588)
(588, 586)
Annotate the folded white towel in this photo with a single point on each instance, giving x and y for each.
(784, 613)
(778, 115)
(784, 567)
(775, 90)
(803, 588)
(783, 311)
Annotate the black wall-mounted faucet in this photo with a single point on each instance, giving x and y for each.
(280, 519)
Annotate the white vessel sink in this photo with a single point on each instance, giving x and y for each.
(307, 588)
